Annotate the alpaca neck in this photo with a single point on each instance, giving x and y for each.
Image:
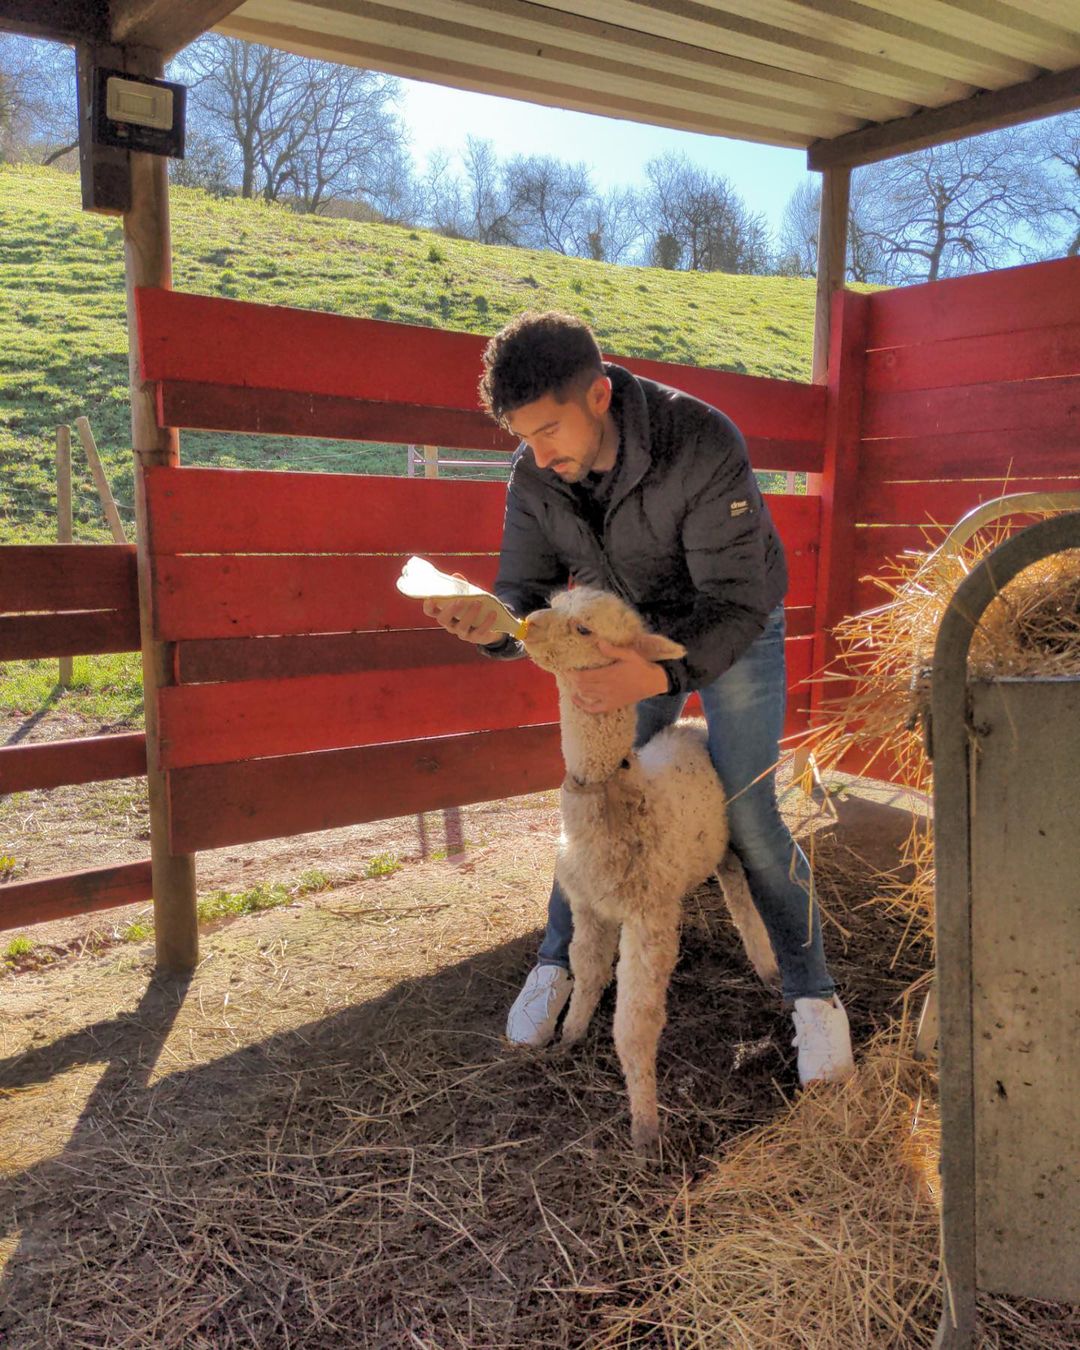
(594, 744)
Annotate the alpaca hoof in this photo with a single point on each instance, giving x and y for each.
(571, 1035)
(645, 1137)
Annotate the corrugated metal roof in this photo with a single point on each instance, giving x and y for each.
(784, 72)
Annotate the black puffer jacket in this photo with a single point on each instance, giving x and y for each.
(687, 539)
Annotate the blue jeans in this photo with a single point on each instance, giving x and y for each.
(744, 709)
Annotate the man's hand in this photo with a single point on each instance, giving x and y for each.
(628, 679)
(467, 619)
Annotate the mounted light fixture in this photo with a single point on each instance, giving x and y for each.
(135, 113)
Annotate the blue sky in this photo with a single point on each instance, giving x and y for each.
(441, 118)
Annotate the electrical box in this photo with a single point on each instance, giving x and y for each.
(131, 112)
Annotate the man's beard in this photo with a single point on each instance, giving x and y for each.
(583, 467)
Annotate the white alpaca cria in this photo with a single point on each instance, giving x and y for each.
(640, 830)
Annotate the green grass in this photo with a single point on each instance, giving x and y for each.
(382, 865)
(233, 904)
(63, 343)
(103, 689)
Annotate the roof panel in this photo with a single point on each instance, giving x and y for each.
(799, 72)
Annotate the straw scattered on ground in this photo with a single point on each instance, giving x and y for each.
(381, 1171)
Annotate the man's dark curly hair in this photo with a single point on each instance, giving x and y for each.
(534, 355)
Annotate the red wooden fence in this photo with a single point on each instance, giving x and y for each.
(306, 695)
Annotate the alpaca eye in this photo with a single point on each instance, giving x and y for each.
(585, 632)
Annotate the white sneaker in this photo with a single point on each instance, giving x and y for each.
(824, 1040)
(536, 1009)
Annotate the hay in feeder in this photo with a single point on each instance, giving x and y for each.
(879, 686)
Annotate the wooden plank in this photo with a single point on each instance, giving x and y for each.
(283, 412)
(269, 798)
(254, 511)
(988, 110)
(28, 636)
(278, 412)
(90, 759)
(259, 596)
(64, 533)
(1037, 295)
(1044, 404)
(1024, 452)
(59, 20)
(164, 26)
(275, 658)
(1031, 354)
(262, 596)
(944, 503)
(798, 522)
(54, 577)
(208, 340)
(835, 577)
(222, 659)
(215, 723)
(61, 897)
(104, 170)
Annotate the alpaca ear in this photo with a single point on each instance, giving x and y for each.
(656, 647)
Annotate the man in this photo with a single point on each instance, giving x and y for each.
(639, 489)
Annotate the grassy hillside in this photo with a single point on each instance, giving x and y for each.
(63, 344)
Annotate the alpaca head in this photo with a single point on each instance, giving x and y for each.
(564, 637)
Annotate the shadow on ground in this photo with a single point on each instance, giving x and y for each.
(391, 1175)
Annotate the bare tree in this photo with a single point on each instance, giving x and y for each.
(38, 117)
(704, 215)
(490, 212)
(1059, 143)
(797, 243)
(550, 202)
(296, 129)
(957, 208)
(205, 165)
(614, 225)
(443, 201)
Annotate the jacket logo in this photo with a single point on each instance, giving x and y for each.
(740, 508)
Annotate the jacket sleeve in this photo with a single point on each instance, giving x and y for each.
(529, 569)
(724, 539)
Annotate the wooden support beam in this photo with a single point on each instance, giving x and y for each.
(831, 261)
(163, 25)
(990, 111)
(60, 20)
(101, 481)
(148, 262)
(843, 426)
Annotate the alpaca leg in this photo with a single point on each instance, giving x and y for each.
(745, 916)
(647, 953)
(592, 951)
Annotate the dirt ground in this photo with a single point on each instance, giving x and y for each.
(321, 1139)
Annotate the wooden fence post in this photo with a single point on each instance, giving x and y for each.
(831, 264)
(431, 461)
(148, 262)
(101, 482)
(64, 523)
(839, 478)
